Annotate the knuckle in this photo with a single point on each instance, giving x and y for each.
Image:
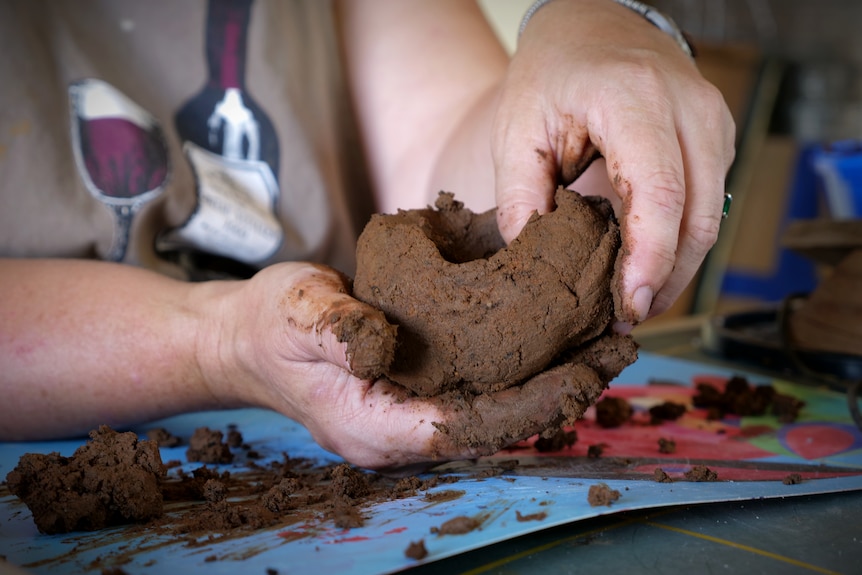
(702, 233)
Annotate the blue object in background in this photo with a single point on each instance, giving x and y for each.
(839, 167)
(791, 273)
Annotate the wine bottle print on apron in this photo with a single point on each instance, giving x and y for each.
(233, 149)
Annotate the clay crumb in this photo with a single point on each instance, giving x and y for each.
(456, 526)
(556, 441)
(666, 445)
(416, 550)
(596, 451)
(792, 479)
(667, 411)
(163, 437)
(234, 438)
(207, 446)
(660, 476)
(701, 473)
(612, 412)
(741, 398)
(444, 495)
(600, 494)
(530, 517)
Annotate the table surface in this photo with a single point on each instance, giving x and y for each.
(808, 534)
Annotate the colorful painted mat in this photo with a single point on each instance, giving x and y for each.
(518, 491)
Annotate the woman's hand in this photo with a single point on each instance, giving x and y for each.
(592, 77)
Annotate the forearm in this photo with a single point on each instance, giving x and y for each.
(84, 343)
(423, 74)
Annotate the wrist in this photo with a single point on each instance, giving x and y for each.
(658, 19)
(218, 345)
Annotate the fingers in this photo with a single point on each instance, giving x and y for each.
(525, 170)
(379, 425)
(645, 164)
(326, 323)
(669, 169)
(708, 153)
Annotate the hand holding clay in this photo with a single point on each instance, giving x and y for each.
(299, 344)
(633, 96)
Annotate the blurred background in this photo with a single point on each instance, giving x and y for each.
(790, 73)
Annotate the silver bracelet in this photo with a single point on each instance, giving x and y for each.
(656, 18)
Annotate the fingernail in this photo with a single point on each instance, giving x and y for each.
(641, 302)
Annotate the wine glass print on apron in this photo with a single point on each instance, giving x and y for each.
(120, 153)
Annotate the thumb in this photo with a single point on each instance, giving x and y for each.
(362, 338)
(330, 325)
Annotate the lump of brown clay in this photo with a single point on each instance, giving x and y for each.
(476, 315)
(112, 479)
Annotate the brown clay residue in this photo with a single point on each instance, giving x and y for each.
(612, 412)
(116, 479)
(666, 446)
(561, 439)
(540, 516)
(416, 550)
(667, 411)
(207, 446)
(600, 494)
(112, 479)
(701, 473)
(660, 476)
(444, 495)
(740, 398)
(459, 525)
(596, 450)
(163, 438)
(792, 479)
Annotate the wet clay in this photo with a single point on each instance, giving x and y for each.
(476, 315)
(600, 494)
(740, 398)
(112, 479)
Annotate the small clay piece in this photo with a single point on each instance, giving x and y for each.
(660, 476)
(110, 480)
(595, 451)
(701, 473)
(667, 411)
(347, 481)
(206, 446)
(444, 495)
(612, 411)
(666, 445)
(740, 398)
(234, 438)
(539, 516)
(416, 550)
(601, 494)
(786, 408)
(163, 437)
(475, 314)
(561, 439)
(457, 526)
(792, 479)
